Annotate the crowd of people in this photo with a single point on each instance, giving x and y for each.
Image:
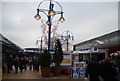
(106, 70)
(10, 63)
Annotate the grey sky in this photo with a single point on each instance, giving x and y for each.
(85, 20)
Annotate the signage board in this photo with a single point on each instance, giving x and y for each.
(75, 73)
(95, 49)
(79, 70)
(66, 60)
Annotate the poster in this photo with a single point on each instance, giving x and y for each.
(75, 73)
(79, 70)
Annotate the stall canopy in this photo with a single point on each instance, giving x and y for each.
(32, 53)
(81, 52)
(117, 53)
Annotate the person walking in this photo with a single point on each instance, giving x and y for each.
(30, 63)
(3, 64)
(21, 64)
(108, 71)
(24, 63)
(33, 59)
(9, 62)
(16, 64)
(93, 70)
(36, 62)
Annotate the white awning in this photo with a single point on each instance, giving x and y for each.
(81, 52)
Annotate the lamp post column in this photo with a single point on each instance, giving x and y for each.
(67, 44)
(67, 41)
(68, 36)
(49, 33)
(41, 46)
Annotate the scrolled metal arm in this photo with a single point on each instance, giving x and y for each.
(50, 1)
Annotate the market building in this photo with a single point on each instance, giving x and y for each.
(101, 46)
(9, 48)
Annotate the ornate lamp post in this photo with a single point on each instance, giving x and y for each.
(67, 36)
(50, 13)
(37, 43)
(41, 43)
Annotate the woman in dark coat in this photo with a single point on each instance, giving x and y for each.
(109, 73)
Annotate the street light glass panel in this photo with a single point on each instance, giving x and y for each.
(41, 43)
(68, 39)
(37, 17)
(37, 42)
(52, 13)
(47, 22)
(73, 40)
(61, 19)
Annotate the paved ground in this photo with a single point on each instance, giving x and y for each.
(21, 75)
(31, 75)
(0, 73)
(37, 75)
(25, 75)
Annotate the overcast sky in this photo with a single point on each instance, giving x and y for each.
(86, 20)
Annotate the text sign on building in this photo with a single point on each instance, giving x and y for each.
(95, 49)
